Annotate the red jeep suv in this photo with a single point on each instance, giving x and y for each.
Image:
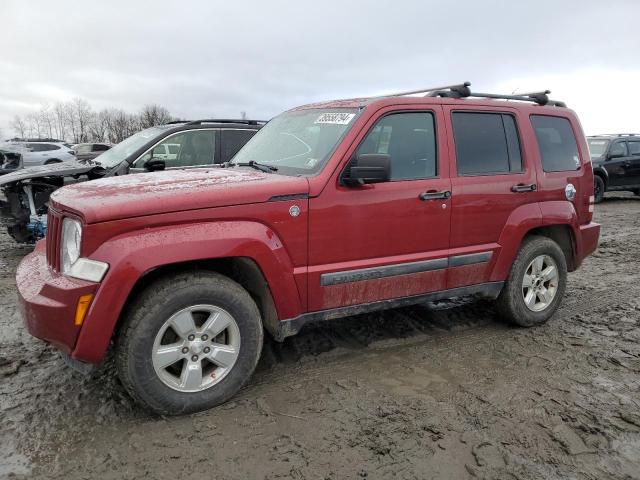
(332, 209)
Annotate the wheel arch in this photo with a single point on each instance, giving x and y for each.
(248, 252)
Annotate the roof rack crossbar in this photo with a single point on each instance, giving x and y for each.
(541, 98)
(425, 90)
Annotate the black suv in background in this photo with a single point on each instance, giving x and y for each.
(616, 163)
(175, 145)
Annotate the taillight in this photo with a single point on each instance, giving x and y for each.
(592, 204)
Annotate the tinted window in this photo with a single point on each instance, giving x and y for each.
(100, 148)
(557, 144)
(486, 143)
(409, 139)
(619, 149)
(233, 141)
(634, 148)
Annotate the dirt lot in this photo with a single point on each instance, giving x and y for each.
(435, 391)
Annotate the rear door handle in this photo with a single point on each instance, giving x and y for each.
(430, 195)
(521, 187)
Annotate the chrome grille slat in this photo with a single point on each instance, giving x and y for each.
(53, 240)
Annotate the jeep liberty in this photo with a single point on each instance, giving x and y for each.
(331, 209)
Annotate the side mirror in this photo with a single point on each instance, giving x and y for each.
(154, 164)
(370, 168)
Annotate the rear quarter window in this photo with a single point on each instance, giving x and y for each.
(556, 143)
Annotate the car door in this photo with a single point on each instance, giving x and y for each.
(618, 165)
(193, 148)
(490, 179)
(385, 240)
(634, 162)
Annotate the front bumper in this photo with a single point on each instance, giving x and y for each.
(48, 300)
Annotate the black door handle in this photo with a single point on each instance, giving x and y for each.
(521, 187)
(435, 195)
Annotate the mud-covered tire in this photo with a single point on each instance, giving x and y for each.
(148, 314)
(511, 301)
(598, 188)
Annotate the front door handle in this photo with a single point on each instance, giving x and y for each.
(521, 187)
(433, 195)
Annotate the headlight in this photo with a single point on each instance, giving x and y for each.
(70, 262)
(70, 243)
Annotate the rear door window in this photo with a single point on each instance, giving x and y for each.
(233, 141)
(557, 143)
(486, 143)
(634, 147)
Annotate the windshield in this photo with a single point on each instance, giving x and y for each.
(118, 153)
(597, 148)
(298, 142)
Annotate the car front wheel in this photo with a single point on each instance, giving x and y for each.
(598, 188)
(536, 283)
(189, 343)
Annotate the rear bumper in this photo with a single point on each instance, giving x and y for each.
(48, 300)
(587, 241)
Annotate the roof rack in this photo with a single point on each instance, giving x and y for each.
(616, 135)
(226, 120)
(462, 90)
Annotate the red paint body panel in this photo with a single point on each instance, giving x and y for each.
(141, 222)
(48, 300)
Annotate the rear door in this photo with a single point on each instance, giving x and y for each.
(619, 165)
(634, 161)
(385, 240)
(491, 178)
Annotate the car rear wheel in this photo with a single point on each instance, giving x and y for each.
(536, 283)
(598, 188)
(189, 343)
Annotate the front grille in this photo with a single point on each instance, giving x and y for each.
(54, 221)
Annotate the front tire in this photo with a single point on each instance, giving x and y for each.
(536, 283)
(189, 342)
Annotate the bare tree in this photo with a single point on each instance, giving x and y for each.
(152, 115)
(19, 125)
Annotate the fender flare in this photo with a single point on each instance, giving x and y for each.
(521, 221)
(131, 255)
(601, 171)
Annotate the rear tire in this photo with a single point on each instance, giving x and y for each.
(598, 188)
(536, 283)
(172, 316)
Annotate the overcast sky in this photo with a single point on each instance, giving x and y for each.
(216, 59)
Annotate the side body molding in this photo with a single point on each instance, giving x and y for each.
(133, 254)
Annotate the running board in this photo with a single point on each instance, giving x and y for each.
(292, 326)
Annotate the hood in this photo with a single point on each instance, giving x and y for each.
(144, 194)
(61, 169)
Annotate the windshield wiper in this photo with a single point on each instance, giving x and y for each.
(263, 167)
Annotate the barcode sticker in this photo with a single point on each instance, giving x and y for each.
(336, 118)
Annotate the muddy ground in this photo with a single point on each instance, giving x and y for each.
(434, 391)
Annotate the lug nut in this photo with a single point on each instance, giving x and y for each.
(207, 349)
(194, 358)
(191, 338)
(185, 350)
(204, 338)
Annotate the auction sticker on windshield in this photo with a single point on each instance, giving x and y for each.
(336, 118)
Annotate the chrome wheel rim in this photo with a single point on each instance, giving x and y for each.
(540, 283)
(196, 348)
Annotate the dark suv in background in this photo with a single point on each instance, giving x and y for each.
(176, 145)
(616, 163)
(89, 151)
